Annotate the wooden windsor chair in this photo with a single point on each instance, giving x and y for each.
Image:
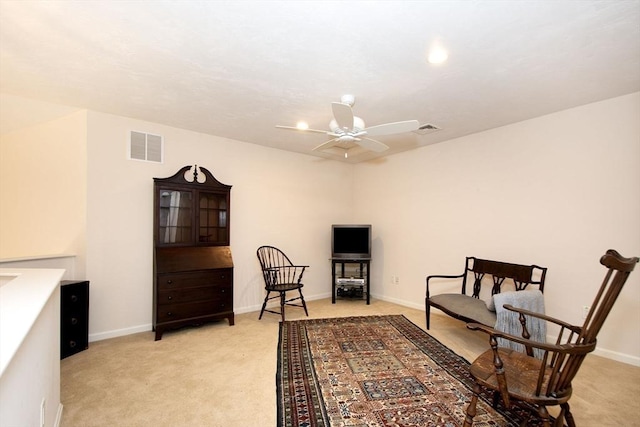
(515, 376)
(280, 276)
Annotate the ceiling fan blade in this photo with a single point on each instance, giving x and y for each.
(372, 144)
(343, 115)
(330, 143)
(301, 130)
(391, 128)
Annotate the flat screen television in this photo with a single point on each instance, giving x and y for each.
(351, 241)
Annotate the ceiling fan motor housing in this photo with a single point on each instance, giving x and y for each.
(348, 99)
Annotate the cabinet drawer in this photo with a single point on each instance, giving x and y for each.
(168, 313)
(201, 293)
(74, 297)
(194, 279)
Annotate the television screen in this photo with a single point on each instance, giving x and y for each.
(351, 241)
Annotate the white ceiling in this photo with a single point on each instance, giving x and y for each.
(238, 68)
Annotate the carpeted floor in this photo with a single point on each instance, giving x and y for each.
(224, 376)
(374, 371)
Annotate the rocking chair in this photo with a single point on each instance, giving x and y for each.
(516, 376)
(281, 276)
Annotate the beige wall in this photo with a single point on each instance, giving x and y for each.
(279, 198)
(557, 191)
(43, 186)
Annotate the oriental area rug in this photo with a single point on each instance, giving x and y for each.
(374, 371)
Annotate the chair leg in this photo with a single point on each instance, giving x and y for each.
(559, 422)
(264, 304)
(544, 414)
(304, 305)
(496, 399)
(566, 411)
(282, 303)
(471, 409)
(427, 311)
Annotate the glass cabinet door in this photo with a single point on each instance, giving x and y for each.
(175, 216)
(213, 213)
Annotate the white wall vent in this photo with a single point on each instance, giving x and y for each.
(145, 146)
(426, 128)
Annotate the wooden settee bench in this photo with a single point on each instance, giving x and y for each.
(471, 308)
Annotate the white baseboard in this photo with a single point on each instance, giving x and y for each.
(399, 302)
(147, 327)
(318, 296)
(119, 332)
(258, 307)
(619, 357)
(58, 416)
(248, 309)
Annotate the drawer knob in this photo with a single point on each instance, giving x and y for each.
(169, 314)
(74, 321)
(72, 344)
(170, 298)
(74, 298)
(169, 282)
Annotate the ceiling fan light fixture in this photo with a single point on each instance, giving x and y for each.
(347, 138)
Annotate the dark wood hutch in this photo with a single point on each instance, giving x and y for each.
(192, 265)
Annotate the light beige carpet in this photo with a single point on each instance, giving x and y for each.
(221, 376)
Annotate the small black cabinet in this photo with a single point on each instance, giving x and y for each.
(74, 317)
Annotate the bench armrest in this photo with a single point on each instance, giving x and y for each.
(439, 276)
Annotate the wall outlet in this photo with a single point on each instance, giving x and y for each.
(585, 311)
(395, 280)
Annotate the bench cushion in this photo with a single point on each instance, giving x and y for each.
(470, 308)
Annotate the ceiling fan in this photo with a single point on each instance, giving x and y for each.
(347, 128)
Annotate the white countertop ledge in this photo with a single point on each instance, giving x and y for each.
(35, 258)
(22, 299)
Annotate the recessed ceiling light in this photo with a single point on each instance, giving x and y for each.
(437, 55)
(302, 126)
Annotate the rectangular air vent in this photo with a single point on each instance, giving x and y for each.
(426, 128)
(145, 146)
